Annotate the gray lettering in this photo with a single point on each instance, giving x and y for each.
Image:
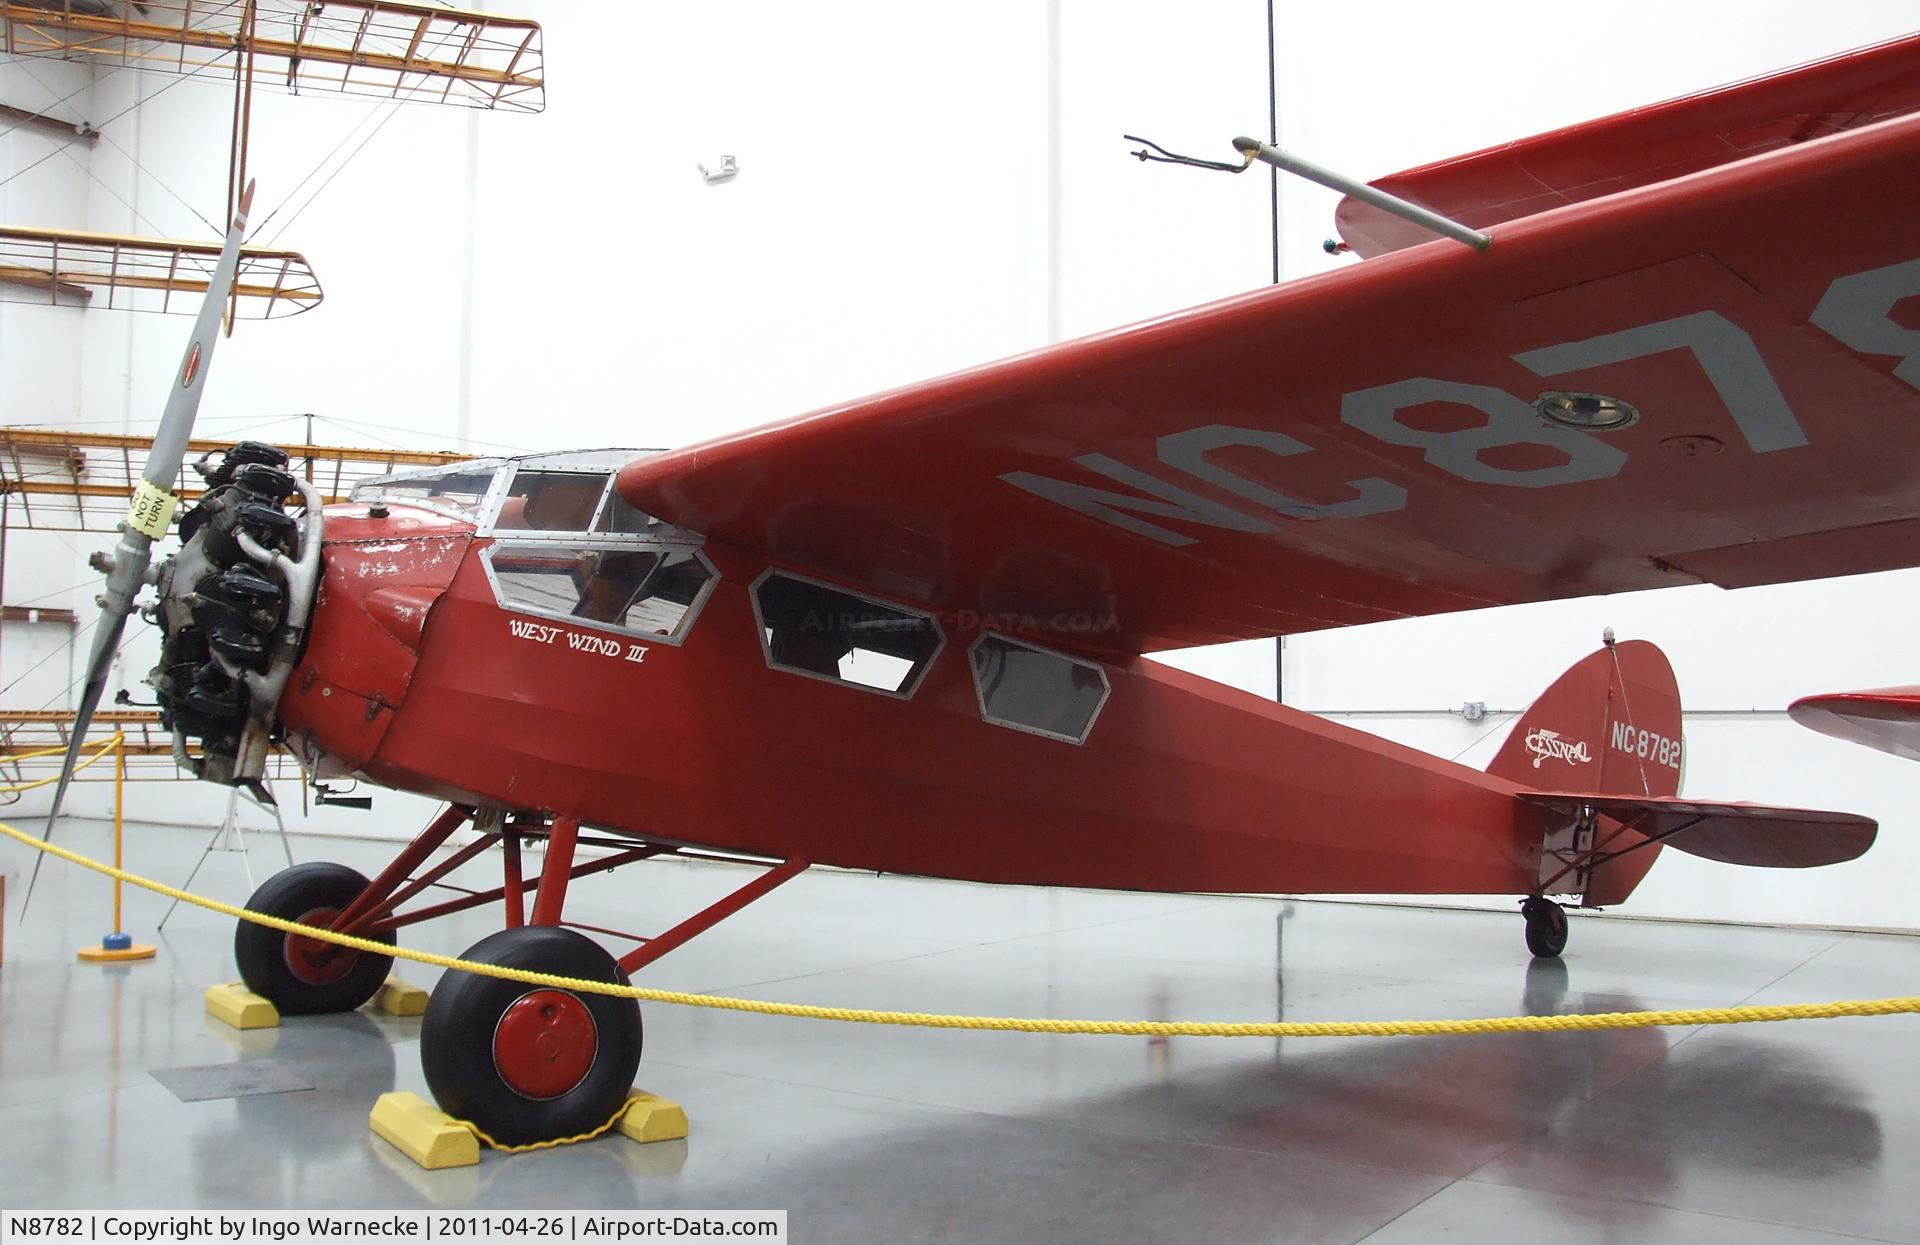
(1187, 451)
(1725, 353)
(1109, 507)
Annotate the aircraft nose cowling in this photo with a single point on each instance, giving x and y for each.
(402, 612)
(383, 574)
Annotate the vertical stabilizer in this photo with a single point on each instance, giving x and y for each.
(1610, 725)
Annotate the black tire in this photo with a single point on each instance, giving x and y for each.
(479, 1072)
(1546, 927)
(299, 977)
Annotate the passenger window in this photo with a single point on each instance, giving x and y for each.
(551, 501)
(1033, 690)
(815, 630)
(652, 592)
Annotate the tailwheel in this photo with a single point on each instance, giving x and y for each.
(531, 1063)
(303, 976)
(1546, 926)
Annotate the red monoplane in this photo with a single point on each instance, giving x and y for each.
(905, 634)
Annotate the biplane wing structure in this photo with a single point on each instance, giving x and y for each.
(379, 48)
(1887, 718)
(32, 739)
(122, 272)
(78, 481)
(1707, 378)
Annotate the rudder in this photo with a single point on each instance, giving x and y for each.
(1611, 725)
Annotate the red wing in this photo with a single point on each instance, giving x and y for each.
(1887, 719)
(1365, 444)
(1646, 145)
(1734, 834)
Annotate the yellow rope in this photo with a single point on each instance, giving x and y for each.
(491, 1144)
(1015, 1024)
(105, 746)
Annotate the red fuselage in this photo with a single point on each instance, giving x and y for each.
(416, 679)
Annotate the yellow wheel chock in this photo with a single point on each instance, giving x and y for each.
(399, 998)
(435, 1140)
(240, 1008)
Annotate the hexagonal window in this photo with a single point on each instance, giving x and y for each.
(826, 633)
(1031, 689)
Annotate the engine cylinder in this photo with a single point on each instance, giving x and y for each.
(219, 614)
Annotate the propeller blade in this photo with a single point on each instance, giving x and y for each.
(152, 510)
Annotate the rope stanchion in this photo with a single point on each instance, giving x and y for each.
(1570, 1023)
(117, 947)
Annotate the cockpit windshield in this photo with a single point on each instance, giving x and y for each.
(460, 490)
(566, 492)
(565, 544)
(539, 500)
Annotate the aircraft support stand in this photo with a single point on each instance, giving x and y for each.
(230, 828)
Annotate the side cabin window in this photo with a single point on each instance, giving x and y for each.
(652, 592)
(809, 628)
(1031, 689)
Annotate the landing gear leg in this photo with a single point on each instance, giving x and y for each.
(1546, 926)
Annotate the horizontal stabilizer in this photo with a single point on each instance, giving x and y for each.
(1887, 719)
(1734, 834)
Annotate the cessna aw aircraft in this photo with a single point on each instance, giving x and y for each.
(905, 634)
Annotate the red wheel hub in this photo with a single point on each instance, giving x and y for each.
(314, 962)
(545, 1044)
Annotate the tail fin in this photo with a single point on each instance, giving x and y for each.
(1609, 726)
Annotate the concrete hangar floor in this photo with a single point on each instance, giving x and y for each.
(1804, 1131)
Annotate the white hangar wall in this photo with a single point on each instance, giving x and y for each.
(920, 190)
(1436, 88)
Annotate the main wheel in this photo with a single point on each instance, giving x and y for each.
(303, 976)
(1546, 926)
(530, 1063)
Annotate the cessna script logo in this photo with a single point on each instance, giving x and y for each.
(1546, 745)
